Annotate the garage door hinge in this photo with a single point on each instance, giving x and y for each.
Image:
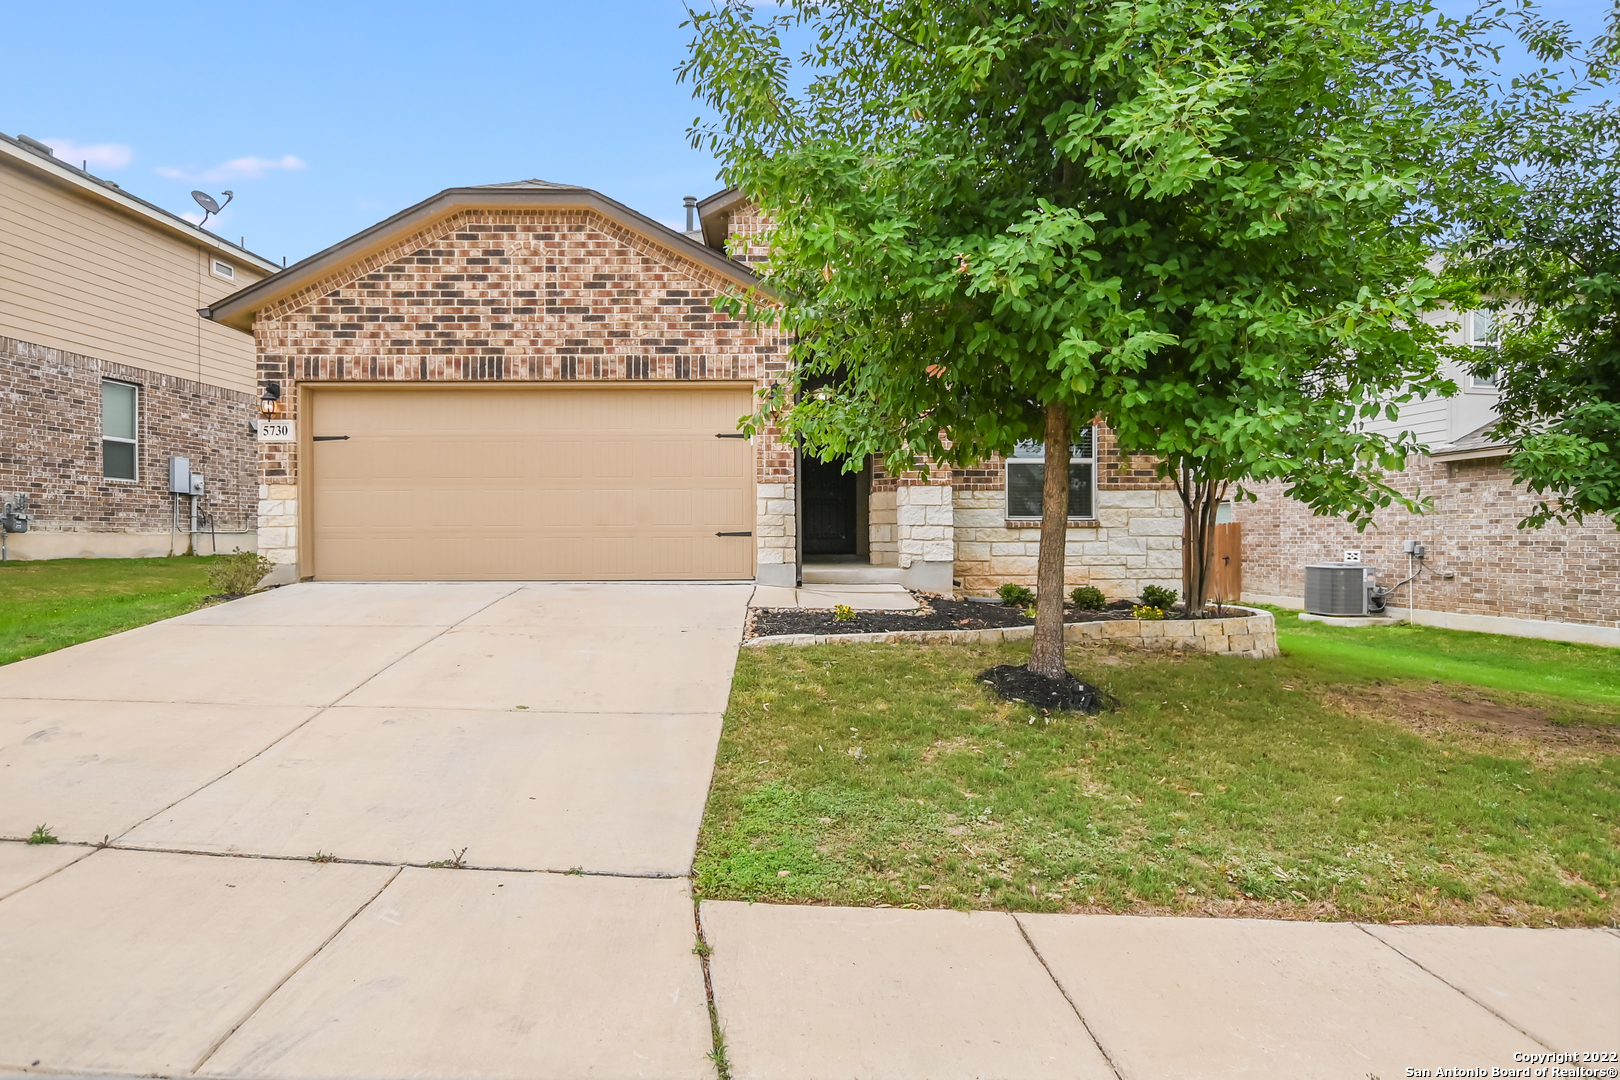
(331, 438)
(731, 435)
(735, 534)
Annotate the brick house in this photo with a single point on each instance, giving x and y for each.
(107, 370)
(531, 381)
(1481, 571)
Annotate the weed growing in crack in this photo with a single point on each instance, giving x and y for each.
(42, 835)
(322, 857)
(722, 1062)
(456, 861)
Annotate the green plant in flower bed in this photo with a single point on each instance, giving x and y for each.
(1147, 611)
(843, 613)
(1019, 596)
(238, 574)
(1089, 598)
(888, 774)
(1157, 596)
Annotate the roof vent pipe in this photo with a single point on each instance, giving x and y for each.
(691, 208)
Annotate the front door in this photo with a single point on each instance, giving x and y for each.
(830, 508)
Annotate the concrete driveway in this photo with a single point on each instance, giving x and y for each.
(507, 728)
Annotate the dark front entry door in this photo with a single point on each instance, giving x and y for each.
(829, 507)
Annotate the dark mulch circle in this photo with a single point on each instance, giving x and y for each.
(938, 613)
(1069, 693)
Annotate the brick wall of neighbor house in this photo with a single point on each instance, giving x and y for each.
(516, 296)
(1563, 573)
(1135, 540)
(50, 444)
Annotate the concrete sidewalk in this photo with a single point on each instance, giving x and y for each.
(808, 992)
(254, 798)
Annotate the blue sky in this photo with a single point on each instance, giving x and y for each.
(327, 117)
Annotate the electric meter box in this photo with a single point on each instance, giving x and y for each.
(179, 476)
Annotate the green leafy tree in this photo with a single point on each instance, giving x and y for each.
(1202, 224)
(1537, 200)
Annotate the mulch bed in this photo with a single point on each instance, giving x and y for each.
(1069, 693)
(936, 613)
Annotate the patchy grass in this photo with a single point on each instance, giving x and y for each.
(866, 774)
(50, 604)
(1582, 673)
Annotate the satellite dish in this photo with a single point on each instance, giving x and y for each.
(210, 207)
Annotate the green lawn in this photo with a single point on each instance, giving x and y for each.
(1583, 673)
(53, 603)
(1304, 787)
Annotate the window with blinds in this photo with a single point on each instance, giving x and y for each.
(1026, 474)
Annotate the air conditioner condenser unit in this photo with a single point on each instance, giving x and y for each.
(1342, 589)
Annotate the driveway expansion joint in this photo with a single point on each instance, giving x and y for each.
(294, 970)
(573, 871)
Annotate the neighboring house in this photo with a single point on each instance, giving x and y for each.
(107, 370)
(531, 381)
(1481, 571)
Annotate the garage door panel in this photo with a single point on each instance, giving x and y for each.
(530, 484)
(611, 508)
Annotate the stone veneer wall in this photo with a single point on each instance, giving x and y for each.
(515, 296)
(50, 450)
(1135, 541)
(883, 543)
(1559, 573)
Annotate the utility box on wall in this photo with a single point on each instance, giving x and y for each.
(179, 476)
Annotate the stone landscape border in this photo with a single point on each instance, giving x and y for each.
(1253, 635)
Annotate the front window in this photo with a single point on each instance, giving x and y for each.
(118, 410)
(1026, 473)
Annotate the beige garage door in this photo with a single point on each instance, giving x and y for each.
(533, 483)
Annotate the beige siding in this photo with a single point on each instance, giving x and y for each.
(88, 278)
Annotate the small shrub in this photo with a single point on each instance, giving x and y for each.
(1147, 611)
(1156, 596)
(1089, 598)
(1018, 596)
(1029, 612)
(233, 575)
(843, 613)
(42, 835)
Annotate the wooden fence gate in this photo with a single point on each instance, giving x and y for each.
(1226, 577)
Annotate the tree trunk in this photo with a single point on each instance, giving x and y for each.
(1046, 654)
(1201, 496)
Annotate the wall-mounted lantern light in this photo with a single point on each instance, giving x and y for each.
(270, 400)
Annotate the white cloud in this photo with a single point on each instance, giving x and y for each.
(249, 168)
(105, 155)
